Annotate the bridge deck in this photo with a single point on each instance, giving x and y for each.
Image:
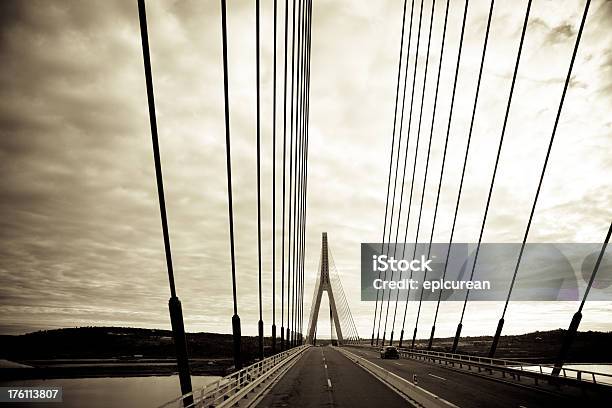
(465, 389)
(306, 384)
(323, 377)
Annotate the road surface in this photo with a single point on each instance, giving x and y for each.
(466, 389)
(323, 377)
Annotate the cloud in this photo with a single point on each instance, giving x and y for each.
(80, 236)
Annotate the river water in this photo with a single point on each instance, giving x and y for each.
(604, 371)
(112, 392)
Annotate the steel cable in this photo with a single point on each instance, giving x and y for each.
(537, 195)
(399, 69)
(433, 119)
(450, 116)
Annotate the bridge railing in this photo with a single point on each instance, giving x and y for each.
(236, 385)
(528, 369)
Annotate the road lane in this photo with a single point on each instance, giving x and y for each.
(464, 389)
(323, 377)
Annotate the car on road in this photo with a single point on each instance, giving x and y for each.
(389, 352)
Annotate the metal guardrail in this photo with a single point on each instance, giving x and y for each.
(513, 367)
(225, 391)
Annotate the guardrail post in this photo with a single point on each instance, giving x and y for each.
(260, 339)
(237, 335)
(500, 326)
(456, 340)
(567, 343)
(180, 342)
(431, 336)
(273, 338)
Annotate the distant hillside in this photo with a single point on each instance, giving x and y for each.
(122, 342)
(588, 347)
(116, 342)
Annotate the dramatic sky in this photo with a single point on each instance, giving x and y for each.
(80, 235)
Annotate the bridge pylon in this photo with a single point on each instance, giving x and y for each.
(324, 285)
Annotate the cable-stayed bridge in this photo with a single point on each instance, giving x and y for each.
(350, 372)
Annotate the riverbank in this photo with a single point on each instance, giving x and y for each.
(538, 347)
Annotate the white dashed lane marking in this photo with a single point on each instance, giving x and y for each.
(329, 385)
(440, 378)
